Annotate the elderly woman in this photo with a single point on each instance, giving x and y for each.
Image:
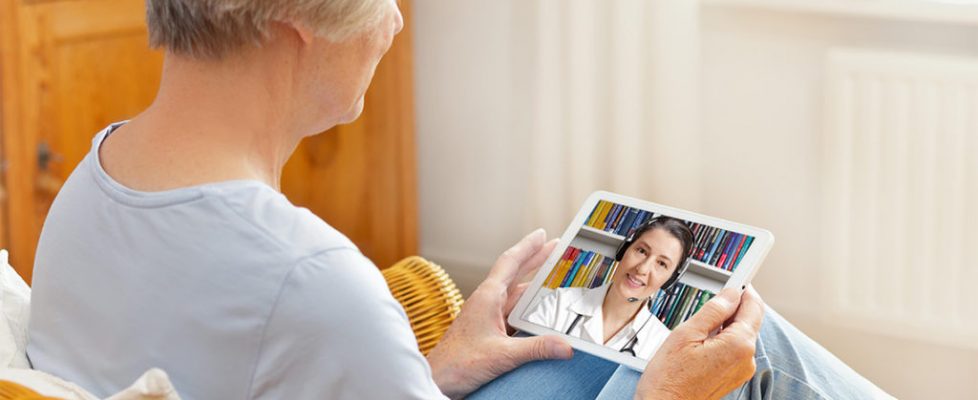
(170, 245)
(617, 314)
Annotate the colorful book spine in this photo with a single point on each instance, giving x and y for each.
(585, 270)
(568, 264)
(687, 304)
(635, 223)
(581, 268)
(619, 218)
(592, 268)
(735, 254)
(571, 267)
(742, 252)
(609, 216)
(727, 248)
(572, 273)
(674, 308)
(553, 272)
(610, 272)
(626, 223)
(594, 213)
(711, 257)
(603, 217)
(599, 277)
(717, 247)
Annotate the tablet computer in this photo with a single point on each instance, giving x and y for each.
(627, 271)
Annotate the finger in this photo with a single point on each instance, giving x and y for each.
(518, 286)
(508, 264)
(719, 309)
(530, 267)
(515, 293)
(523, 350)
(749, 315)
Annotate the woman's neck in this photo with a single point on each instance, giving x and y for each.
(209, 123)
(618, 312)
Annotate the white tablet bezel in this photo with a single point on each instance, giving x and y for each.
(763, 241)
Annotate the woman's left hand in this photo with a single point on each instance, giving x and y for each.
(477, 349)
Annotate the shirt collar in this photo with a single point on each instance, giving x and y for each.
(590, 303)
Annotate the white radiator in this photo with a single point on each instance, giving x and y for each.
(900, 216)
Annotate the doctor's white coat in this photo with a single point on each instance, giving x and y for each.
(559, 309)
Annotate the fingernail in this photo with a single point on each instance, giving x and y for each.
(537, 232)
(560, 350)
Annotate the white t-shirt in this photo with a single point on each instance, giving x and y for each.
(559, 309)
(228, 287)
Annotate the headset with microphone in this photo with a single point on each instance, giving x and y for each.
(668, 286)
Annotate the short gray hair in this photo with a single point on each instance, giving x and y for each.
(209, 29)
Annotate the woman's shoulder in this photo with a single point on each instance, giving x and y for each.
(275, 218)
(568, 294)
(657, 329)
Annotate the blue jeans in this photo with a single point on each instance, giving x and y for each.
(789, 366)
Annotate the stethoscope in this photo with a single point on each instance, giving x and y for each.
(629, 346)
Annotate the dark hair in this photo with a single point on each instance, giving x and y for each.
(675, 227)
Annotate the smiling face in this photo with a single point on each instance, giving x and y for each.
(647, 264)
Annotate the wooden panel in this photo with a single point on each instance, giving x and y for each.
(9, 110)
(361, 177)
(82, 66)
(17, 181)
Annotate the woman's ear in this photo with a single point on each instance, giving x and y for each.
(304, 31)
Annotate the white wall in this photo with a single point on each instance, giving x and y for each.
(472, 160)
(523, 105)
(761, 110)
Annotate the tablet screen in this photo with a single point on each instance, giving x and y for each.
(629, 276)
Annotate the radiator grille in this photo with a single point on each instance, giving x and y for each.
(900, 222)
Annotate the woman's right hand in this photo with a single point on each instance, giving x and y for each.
(477, 347)
(693, 365)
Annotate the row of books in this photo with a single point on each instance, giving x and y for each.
(718, 247)
(616, 218)
(714, 246)
(581, 268)
(675, 307)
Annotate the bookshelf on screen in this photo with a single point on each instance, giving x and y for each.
(589, 260)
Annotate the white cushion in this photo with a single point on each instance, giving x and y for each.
(15, 312)
(153, 385)
(45, 384)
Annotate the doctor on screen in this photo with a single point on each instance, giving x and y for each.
(617, 314)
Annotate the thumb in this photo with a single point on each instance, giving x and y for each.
(528, 349)
(713, 313)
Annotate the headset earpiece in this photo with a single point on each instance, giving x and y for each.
(670, 284)
(623, 247)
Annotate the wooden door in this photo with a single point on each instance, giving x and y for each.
(69, 68)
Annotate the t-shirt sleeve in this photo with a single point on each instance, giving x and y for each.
(336, 332)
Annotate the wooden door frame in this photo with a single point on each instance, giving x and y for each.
(14, 143)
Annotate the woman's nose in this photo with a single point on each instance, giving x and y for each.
(644, 268)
